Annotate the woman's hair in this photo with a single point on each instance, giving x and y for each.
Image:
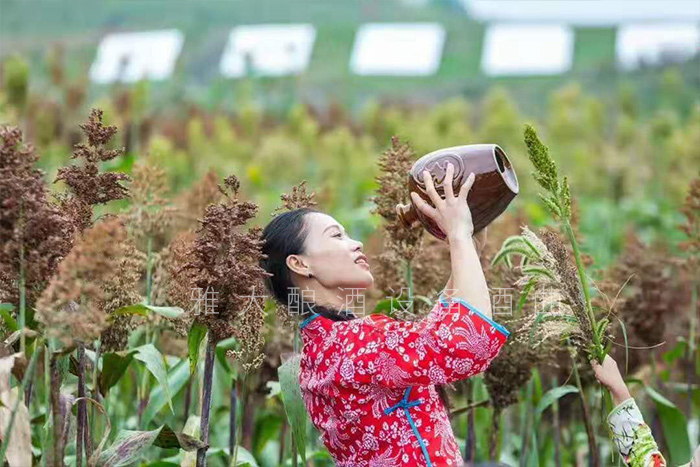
(286, 235)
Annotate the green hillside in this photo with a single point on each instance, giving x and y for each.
(31, 27)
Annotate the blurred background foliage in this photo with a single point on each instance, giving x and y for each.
(629, 143)
(630, 167)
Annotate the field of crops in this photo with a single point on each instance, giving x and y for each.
(114, 211)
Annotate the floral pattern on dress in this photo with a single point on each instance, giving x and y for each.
(368, 383)
(633, 437)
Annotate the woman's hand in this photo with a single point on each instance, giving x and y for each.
(452, 214)
(608, 374)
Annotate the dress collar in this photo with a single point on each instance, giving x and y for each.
(308, 320)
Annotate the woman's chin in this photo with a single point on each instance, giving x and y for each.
(365, 281)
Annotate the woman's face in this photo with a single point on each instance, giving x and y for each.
(335, 259)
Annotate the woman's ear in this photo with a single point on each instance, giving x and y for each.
(296, 264)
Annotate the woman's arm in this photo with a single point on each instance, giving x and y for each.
(453, 216)
(453, 342)
(479, 244)
(631, 435)
(469, 283)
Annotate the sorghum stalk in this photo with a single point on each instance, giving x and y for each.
(22, 286)
(149, 272)
(558, 202)
(239, 428)
(592, 447)
(283, 438)
(56, 409)
(584, 285)
(206, 402)
(495, 431)
(96, 396)
(409, 280)
(294, 443)
(82, 407)
(47, 403)
(233, 429)
(470, 444)
(555, 426)
(188, 398)
(691, 355)
(526, 424)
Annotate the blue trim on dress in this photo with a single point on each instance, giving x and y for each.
(405, 404)
(308, 320)
(496, 325)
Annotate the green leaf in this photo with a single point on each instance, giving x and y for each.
(392, 304)
(130, 445)
(194, 341)
(601, 328)
(137, 309)
(155, 363)
(526, 291)
(142, 309)
(267, 429)
(5, 313)
(538, 271)
(222, 347)
(512, 250)
(553, 395)
(167, 311)
(675, 353)
(423, 299)
(675, 428)
(114, 365)
(191, 428)
(244, 457)
(293, 402)
(168, 439)
(624, 335)
(531, 246)
(177, 378)
(384, 306)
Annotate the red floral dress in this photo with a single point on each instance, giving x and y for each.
(369, 383)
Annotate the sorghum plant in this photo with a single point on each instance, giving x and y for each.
(87, 186)
(225, 263)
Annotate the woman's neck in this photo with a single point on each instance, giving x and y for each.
(338, 299)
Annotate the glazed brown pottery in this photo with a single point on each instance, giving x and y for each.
(495, 184)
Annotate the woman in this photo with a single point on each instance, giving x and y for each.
(368, 382)
(631, 435)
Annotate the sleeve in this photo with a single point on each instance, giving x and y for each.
(453, 342)
(633, 437)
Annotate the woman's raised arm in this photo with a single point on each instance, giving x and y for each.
(453, 342)
(454, 218)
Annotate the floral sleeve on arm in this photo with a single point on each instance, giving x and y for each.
(633, 437)
(453, 342)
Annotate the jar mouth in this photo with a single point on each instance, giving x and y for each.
(502, 161)
(506, 169)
